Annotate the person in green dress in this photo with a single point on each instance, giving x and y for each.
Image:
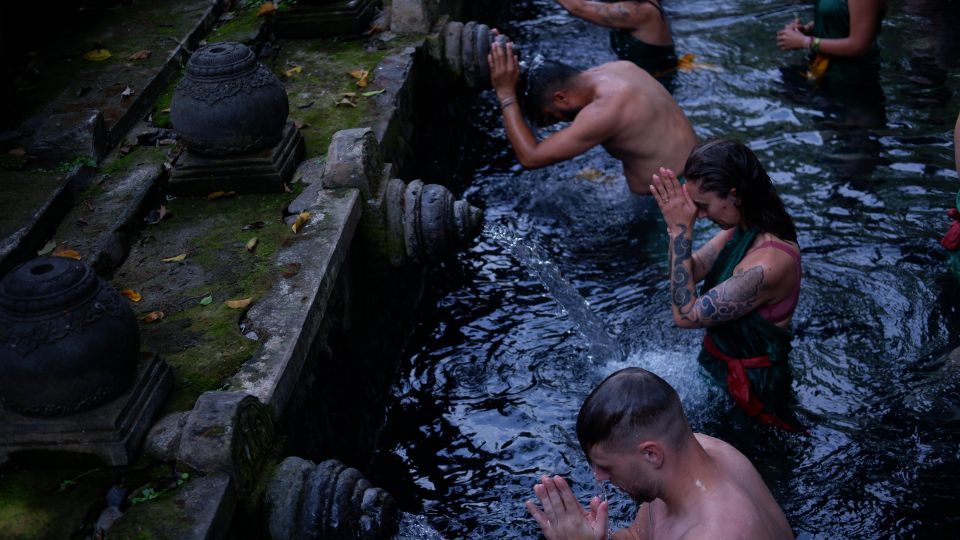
(639, 32)
(750, 271)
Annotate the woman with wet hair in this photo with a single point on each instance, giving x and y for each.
(750, 272)
(639, 32)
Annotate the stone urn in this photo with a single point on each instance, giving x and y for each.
(228, 103)
(68, 341)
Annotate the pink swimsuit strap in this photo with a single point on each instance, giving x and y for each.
(783, 309)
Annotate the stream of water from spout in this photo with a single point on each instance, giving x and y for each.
(603, 348)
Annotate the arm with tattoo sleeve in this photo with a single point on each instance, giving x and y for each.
(613, 15)
(742, 293)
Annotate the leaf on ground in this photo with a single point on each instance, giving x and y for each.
(238, 304)
(153, 316)
(97, 55)
(300, 125)
(140, 55)
(156, 216)
(349, 94)
(64, 251)
(266, 8)
(290, 269)
(302, 219)
(361, 76)
(254, 225)
(293, 71)
(178, 258)
(373, 93)
(133, 295)
(221, 194)
(345, 102)
(206, 300)
(127, 92)
(48, 247)
(251, 244)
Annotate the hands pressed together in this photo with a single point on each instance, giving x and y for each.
(675, 203)
(562, 517)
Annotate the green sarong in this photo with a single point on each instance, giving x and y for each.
(831, 20)
(749, 354)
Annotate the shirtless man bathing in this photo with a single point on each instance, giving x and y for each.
(616, 105)
(689, 485)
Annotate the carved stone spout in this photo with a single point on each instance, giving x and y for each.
(424, 222)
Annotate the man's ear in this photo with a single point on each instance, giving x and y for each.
(652, 453)
(559, 98)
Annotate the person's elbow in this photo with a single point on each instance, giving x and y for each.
(532, 161)
(685, 322)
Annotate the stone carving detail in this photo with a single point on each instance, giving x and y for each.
(254, 434)
(466, 48)
(327, 501)
(68, 341)
(425, 223)
(228, 103)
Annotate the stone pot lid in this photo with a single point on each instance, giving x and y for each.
(46, 284)
(221, 59)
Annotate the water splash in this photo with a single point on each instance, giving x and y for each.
(603, 347)
(413, 527)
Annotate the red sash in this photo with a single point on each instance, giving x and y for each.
(739, 384)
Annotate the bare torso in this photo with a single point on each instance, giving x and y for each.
(651, 130)
(736, 504)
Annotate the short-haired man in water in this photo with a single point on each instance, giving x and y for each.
(616, 105)
(635, 434)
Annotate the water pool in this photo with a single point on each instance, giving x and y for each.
(497, 369)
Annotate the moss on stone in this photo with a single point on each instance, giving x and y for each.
(242, 28)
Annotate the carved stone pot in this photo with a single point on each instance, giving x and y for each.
(68, 341)
(228, 103)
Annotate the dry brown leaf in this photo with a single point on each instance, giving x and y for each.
(238, 304)
(361, 76)
(133, 295)
(302, 219)
(153, 316)
(140, 55)
(293, 71)
(64, 251)
(266, 8)
(97, 55)
(345, 102)
(177, 258)
(220, 195)
(589, 173)
(290, 269)
(251, 244)
(349, 94)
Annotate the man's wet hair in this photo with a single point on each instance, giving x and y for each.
(629, 406)
(540, 82)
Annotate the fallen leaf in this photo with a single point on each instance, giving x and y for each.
(345, 102)
(89, 205)
(349, 94)
(373, 93)
(48, 247)
(238, 304)
(178, 258)
(140, 55)
(156, 216)
(17, 152)
(220, 194)
(300, 125)
(361, 76)
(127, 93)
(133, 295)
(254, 225)
(266, 9)
(286, 188)
(290, 269)
(589, 173)
(302, 219)
(251, 244)
(153, 316)
(97, 55)
(63, 251)
(206, 300)
(293, 71)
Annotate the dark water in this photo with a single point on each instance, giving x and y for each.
(496, 373)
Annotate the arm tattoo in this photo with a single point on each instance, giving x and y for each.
(681, 282)
(733, 298)
(613, 15)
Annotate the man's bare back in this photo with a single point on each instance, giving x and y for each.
(616, 105)
(651, 128)
(734, 503)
